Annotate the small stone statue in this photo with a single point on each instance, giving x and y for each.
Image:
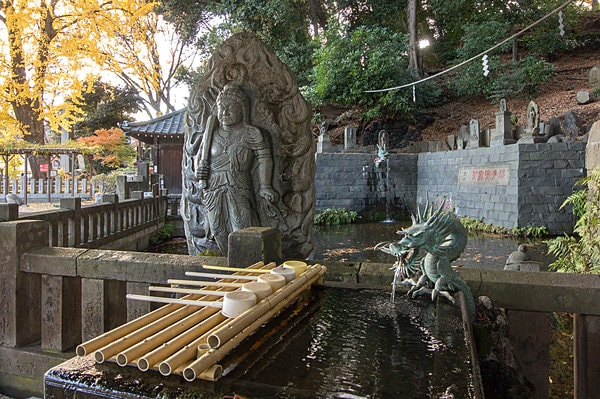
(228, 154)
(533, 119)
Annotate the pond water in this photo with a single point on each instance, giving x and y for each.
(356, 242)
(332, 343)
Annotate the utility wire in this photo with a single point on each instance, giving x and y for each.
(519, 33)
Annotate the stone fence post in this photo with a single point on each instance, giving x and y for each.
(73, 204)
(20, 293)
(254, 244)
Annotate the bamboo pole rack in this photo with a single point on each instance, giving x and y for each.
(190, 335)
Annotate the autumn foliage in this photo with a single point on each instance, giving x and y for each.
(112, 149)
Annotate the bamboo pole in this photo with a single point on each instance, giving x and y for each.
(110, 336)
(237, 324)
(186, 290)
(160, 299)
(220, 276)
(89, 346)
(198, 283)
(236, 269)
(208, 358)
(213, 373)
(182, 354)
(162, 336)
(181, 342)
(110, 348)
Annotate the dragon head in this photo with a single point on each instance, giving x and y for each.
(434, 231)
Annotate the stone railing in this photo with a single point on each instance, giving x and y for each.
(109, 224)
(37, 190)
(55, 298)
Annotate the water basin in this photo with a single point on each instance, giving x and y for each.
(343, 343)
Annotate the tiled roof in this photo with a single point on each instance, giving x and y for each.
(169, 124)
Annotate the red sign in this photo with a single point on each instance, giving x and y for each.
(487, 175)
(44, 167)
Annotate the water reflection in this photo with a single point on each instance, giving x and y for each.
(355, 243)
(357, 345)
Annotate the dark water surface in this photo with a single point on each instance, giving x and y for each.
(355, 243)
(356, 344)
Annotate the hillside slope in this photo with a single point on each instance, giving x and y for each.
(555, 98)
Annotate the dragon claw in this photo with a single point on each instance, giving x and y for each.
(445, 294)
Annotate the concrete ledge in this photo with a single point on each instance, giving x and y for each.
(537, 291)
(114, 265)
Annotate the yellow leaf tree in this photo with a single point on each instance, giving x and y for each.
(52, 51)
(146, 55)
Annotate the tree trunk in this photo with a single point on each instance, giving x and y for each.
(318, 17)
(413, 45)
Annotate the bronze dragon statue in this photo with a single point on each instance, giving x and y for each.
(425, 253)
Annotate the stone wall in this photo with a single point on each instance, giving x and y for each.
(510, 186)
(352, 181)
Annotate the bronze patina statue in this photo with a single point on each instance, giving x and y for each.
(426, 251)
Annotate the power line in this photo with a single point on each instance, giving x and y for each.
(519, 33)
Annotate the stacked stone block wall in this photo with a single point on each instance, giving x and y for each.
(352, 181)
(547, 174)
(512, 186)
(480, 183)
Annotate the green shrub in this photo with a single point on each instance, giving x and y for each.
(336, 217)
(580, 252)
(163, 234)
(477, 225)
(519, 79)
(505, 80)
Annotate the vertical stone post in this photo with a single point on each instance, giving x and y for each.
(114, 220)
(92, 308)
(20, 292)
(254, 244)
(473, 134)
(529, 333)
(102, 305)
(138, 211)
(503, 134)
(61, 312)
(75, 223)
(9, 212)
(136, 309)
(122, 189)
(586, 335)
(349, 137)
